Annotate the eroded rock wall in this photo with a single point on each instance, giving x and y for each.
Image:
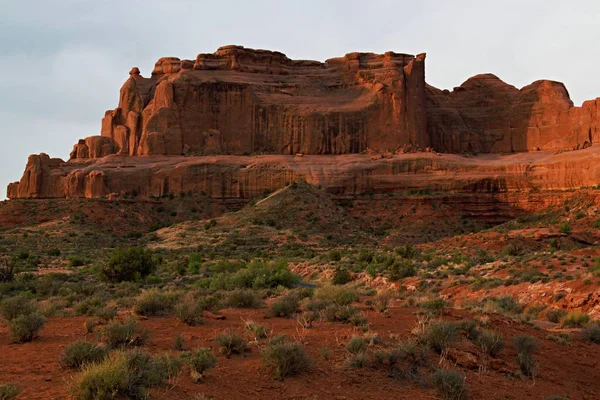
(242, 101)
(487, 115)
(243, 177)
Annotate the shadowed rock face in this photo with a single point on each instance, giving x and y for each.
(240, 101)
(486, 115)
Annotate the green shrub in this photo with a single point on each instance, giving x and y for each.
(358, 360)
(490, 342)
(434, 307)
(512, 249)
(440, 334)
(14, 307)
(80, 353)
(565, 227)
(407, 251)
(555, 315)
(334, 255)
(356, 345)
(89, 306)
(7, 271)
(243, 298)
(9, 391)
(26, 327)
(285, 307)
(54, 252)
(562, 338)
(526, 346)
(337, 313)
(155, 302)
(449, 384)
(381, 302)
(401, 269)
(506, 305)
(259, 331)
(124, 334)
(341, 277)
(469, 328)
(200, 361)
(231, 343)
(339, 295)
(591, 333)
(286, 359)
(190, 311)
(129, 264)
(575, 319)
(123, 375)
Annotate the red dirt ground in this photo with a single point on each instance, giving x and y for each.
(34, 366)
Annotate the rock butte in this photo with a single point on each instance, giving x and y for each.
(238, 122)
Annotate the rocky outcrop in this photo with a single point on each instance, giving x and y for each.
(241, 101)
(487, 115)
(242, 177)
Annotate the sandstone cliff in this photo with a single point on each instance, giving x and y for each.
(240, 101)
(487, 115)
(245, 177)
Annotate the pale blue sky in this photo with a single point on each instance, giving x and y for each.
(62, 62)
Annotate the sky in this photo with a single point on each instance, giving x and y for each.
(63, 62)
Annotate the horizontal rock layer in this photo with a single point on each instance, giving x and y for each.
(244, 177)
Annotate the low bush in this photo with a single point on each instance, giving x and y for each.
(337, 313)
(591, 333)
(562, 338)
(124, 334)
(155, 302)
(506, 305)
(565, 227)
(490, 342)
(555, 315)
(231, 343)
(526, 346)
(123, 375)
(469, 328)
(341, 277)
(200, 361)
(449, 384)
(439, 335)
(25, 328)
(340, 295)
(80, 353)
(9, 391)
(381, 302)
(285, 307)
(575, 319)
(129, 264)
(7, 271)
(190, 311)
(259, 331)
(434, 307)
(357, 345)
(286, 359)
(14, 307)
(243, 298)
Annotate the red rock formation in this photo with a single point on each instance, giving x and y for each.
(486, 115)
(241, 101)
(243, 177)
